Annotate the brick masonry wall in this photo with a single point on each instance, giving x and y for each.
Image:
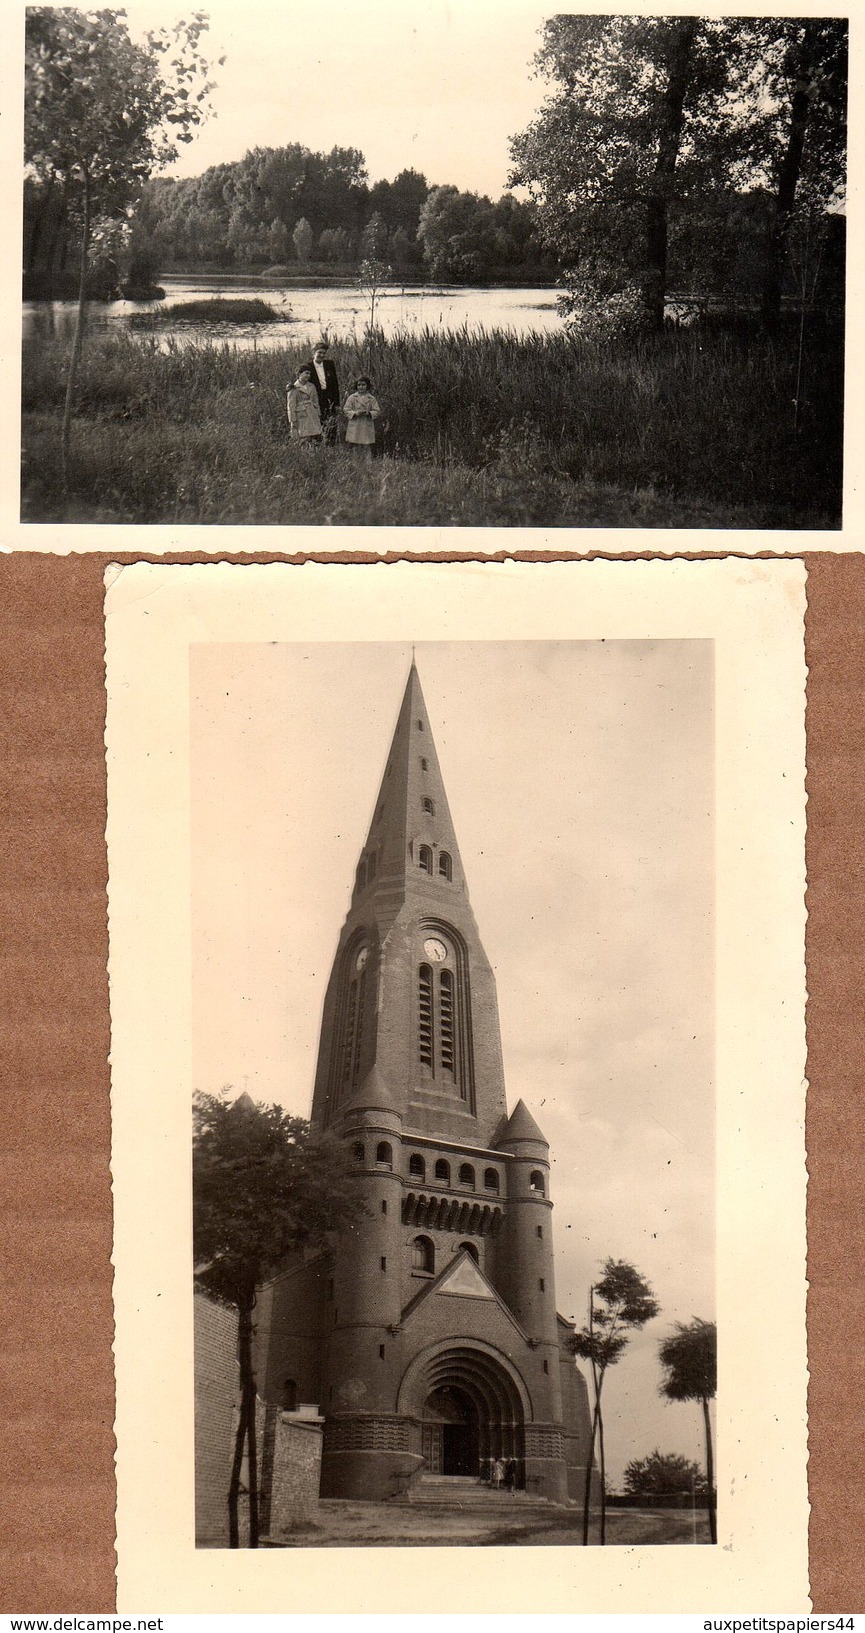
(215, 1400)
(295, 1472)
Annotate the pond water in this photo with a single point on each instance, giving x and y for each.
(340, 312)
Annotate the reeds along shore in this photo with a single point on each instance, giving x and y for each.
(698, 427)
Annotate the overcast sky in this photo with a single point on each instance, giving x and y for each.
(438, 86)
(579, 777)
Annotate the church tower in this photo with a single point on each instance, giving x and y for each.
(428, 1336)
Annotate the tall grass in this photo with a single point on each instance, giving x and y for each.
(694, 429)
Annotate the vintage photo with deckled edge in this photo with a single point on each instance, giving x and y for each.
(615, 620)
(555, 449)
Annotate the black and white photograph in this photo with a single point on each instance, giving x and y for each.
(407, 1307)
(456, 1165)
(451, 266)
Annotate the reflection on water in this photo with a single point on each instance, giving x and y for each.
(341, 313)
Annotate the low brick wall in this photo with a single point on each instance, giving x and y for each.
(215, 1402)
(289, 1443)
(291, 1470)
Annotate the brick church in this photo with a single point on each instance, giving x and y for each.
(428, 1336)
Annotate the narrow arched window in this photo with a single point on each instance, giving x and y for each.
(417, 1167)
(445, 867)
(353, 1029)
(371, 867)
(469, 1247)
(467, 1174)
(289, 1395)
(429, 807)
(425, 1009)
(423, 1255)
(357, 1152)
(361, 876)
(491, 1179)
(384, 1155)
(443, 1171)
(424, 859)
(446, 1020)
(536, 1182)
(424, 765)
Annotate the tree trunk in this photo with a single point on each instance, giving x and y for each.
(672, 118)
(234, 1482)
(587, 1494)
(77, 339)
(710, 1472)
(42, 216)
(247, 1390)
(603, 1473)
(788, 178)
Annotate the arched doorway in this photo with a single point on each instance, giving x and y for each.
(451, 1433)
(470, 1405)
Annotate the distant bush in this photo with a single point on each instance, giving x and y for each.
(219, 309)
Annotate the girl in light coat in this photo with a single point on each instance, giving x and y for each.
(361, 410)
(303, 411)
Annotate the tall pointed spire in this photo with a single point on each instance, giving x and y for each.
(411, 836)
(410, 1023)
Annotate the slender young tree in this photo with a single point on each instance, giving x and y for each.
(619, 1305)
(690, 1360)
(262, 1186)
(103, 111)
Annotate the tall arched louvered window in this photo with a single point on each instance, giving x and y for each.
(445, 865)
(441, 1005)
(425, 1016)
(425, 859)
(446, 1022)
(370, 866)
(353, 1032)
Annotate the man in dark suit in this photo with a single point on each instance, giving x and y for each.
(323, 372)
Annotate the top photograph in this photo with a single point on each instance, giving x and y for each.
(447, 266)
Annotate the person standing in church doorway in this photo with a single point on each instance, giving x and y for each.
(324, 378)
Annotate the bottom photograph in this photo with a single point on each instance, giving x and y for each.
(453, 1182)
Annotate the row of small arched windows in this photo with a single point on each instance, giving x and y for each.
(383, 1154)
(442, 1169)
(425, 862)
(423, 1254)
(366, 868)
(442, 1172)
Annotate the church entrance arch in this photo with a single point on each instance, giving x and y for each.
(471, 1407)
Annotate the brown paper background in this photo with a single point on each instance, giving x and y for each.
(57, 1534)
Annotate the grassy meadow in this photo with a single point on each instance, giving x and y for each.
(693, 428)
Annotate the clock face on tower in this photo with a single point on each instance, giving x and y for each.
(435, 949)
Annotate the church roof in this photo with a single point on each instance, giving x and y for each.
(244, 1102)
(461, 1278)
(412, 810)
(521, 1125)
(371, 1094)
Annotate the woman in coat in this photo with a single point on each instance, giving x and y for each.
(304, 417)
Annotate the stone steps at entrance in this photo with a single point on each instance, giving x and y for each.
(449, 1491)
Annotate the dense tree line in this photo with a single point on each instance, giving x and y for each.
(290, 206)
